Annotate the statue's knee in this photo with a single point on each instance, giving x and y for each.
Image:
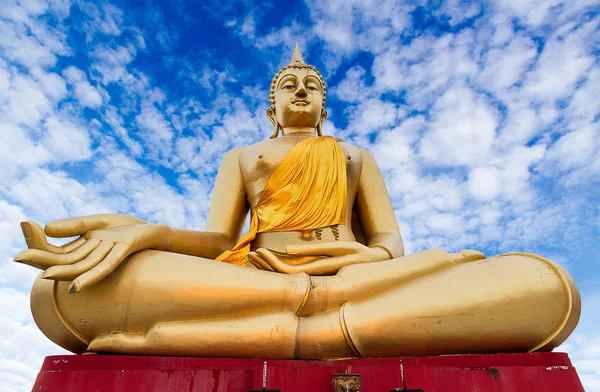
(49, 321)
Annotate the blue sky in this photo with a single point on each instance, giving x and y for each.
(482, 117)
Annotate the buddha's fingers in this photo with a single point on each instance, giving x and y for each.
(119, 342)
(71, 246)
(331, 265)
(116, 255)
(36, 239)
(258, 262)
(70, 272)
(43, 259)
(274, 262)
(78, 226)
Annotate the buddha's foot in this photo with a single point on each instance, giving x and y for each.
(118, 342)
(271, 335)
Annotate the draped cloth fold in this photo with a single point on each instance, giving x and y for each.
(306, 191)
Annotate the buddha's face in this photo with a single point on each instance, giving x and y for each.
(298, 98)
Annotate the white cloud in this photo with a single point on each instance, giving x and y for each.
(51, 84)
(575, 156)
(34, 7)
(394, 148)
(352, 88)
(338, 23)
(112, 118)
(584, 107)
(156, 132)
(373, 115)
(576, 148)
(24, 49)
(506, 66)
(55, 195)
(22, 345)
(458, 10)
(65, 140)
(111, 63)
(84, 91)
(533, 13)
(484, 183)
(523, 122)
(105, 18)
(463, 128)
(27, 104)
(10, 217)
(506, 175)
(563, 61)
(18, 152)
(426, 66)
(27, 41)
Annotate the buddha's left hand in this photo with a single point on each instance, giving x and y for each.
(334, 255)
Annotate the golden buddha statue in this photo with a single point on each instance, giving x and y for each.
(320, 274)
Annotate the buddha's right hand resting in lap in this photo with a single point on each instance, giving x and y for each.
(321, 273)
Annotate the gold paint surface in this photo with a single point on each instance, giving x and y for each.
(328, 276)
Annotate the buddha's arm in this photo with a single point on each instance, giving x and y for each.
(198, 243)
(228, 209)
(375, 211)
(107, 239)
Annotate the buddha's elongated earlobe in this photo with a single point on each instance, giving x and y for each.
(320, 123)
(273, 118)
(276, 131)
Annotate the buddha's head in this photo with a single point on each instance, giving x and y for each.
(297, 97)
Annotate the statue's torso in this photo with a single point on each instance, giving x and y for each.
(257, 163)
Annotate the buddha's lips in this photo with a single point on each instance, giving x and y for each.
(300, 100)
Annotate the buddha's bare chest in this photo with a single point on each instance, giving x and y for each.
(258, 164)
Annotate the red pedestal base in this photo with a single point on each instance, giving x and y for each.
(503, 372)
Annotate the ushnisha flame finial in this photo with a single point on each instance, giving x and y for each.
(297, 56)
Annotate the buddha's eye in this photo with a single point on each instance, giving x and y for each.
(311, 85)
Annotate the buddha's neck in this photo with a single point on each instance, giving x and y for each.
(298, 131)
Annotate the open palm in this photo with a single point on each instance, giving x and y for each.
(104, 241)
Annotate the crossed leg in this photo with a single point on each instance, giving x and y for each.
(512, 303)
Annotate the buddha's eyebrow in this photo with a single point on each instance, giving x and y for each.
(285, 77)
(312, 78)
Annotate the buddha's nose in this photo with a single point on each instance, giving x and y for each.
(301, 91)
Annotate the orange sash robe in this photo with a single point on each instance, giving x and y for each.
(306, 191)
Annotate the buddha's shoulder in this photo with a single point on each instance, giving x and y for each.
(355, 153)
(258, 146)
(347, 146)
(279, 146)
(240, 152)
